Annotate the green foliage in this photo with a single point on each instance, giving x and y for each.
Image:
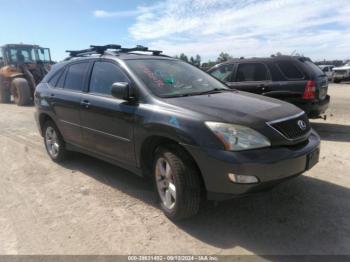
(223, 57)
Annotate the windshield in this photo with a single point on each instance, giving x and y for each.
(28, 54)
(171, 78)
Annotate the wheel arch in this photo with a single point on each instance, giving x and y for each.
(42, 119)
(150, 146)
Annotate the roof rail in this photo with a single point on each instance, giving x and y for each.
(96, 49)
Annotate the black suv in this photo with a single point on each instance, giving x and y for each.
(290, 78)
(160, 117)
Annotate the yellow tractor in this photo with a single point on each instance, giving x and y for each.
(22, 67)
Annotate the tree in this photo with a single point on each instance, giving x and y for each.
(183, 57)
(192, 61)
(223, 57)
(197, 61)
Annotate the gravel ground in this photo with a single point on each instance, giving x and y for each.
(86, 206)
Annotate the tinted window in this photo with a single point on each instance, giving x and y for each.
(251, 72)
(54, 79)
(289, 70)
(276, 74)
(75, 76)
(314, 68)
(223, 73)
(104, 74)
(60, 82)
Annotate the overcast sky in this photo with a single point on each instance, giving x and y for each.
(316, 28)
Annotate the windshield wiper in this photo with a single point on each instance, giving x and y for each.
(214, 91)
(208, 92)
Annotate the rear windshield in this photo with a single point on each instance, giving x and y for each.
(315, 68)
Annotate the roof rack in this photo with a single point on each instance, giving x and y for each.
(96, 49)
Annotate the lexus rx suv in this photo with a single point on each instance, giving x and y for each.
(290, 78)
(160, 117)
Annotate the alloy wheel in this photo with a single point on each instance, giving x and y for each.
(165, 183)
(52, 142)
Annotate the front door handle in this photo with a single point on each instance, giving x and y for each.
(85, 103)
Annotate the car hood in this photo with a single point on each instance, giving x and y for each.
(235, 107)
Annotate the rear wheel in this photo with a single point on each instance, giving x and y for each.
(337, 81)
(54, 142)
(21, 92)
(178, 184)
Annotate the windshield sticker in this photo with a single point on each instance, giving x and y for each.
(152, 76)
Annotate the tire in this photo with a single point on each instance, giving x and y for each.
(337, 81)
(5, 95)
(21, 92)
(183, 183)
(54, 143)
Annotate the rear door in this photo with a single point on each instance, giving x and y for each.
(288, 80)
(251, 77)
(65, 101)
(107, 121)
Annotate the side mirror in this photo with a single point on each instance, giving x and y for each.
(121, 90)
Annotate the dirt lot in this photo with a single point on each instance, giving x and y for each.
(87, 206)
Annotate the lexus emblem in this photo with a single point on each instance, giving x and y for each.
(302, 124)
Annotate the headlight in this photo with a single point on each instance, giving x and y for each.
(238, 138)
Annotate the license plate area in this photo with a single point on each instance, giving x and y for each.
(312, 158)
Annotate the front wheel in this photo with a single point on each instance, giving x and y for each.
(178, 184)
(54, 143)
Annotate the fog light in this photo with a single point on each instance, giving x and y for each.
(242, 179)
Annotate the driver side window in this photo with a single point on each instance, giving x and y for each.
(104, 74)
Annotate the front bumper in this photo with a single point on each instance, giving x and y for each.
(269, 165)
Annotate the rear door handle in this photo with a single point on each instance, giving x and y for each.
(85, 103)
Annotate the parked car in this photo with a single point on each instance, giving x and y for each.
(160, 117)
(327, 70)
(341, 73)
(293, 79)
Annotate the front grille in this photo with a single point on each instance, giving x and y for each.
(292, 128)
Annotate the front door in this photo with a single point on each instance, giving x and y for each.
(107, 122)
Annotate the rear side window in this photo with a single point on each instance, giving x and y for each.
(53, 81)
(104, 74)
(289, 70)
(223, 73)
(315, 68)
(75, 76)
(251, 72)
(276, 74)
